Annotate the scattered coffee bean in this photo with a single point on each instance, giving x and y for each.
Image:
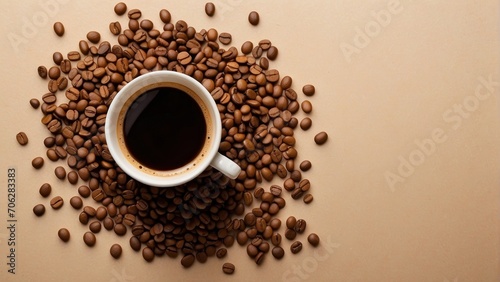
(306, 106)
(305, 123)
(115, 251)
(76, 202)
(188, 260)
(120, 8)
(308, 90)
(225, 38)
(305, 165)
(300, 226)
(95, 226)
(210, 9)
(228, 268)
(35, 103)
(221, 252)
(165, 16)
(278, 252)
(253, 18)
(259, 258)
(42, 71)
(321, 138)
(308, 198)
(290, 234)
(84, 191)
(73, 177)
(89, 239)
(56, 202)
(296, 247)
(45, 190)
(94, 37)
(60, 172)
(313, 239)
(22, 138)
(291, 222)
(246, 47)
(272, 53)
(39, 210)
(59, 29)
(63, 234)
(37, 162)
(115, 28)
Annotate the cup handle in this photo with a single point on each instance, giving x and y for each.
(226, 166)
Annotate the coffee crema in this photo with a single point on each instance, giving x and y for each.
(164, 128)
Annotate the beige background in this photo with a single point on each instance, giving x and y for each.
(439, 222)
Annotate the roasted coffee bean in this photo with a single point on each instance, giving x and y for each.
(321, 138)
(115, 251)
(45, 190)
(84, 47)
(304, 185)
(35, 103)
(187, 260)
(252, 250)
(76, 202)
(120, 8)
(39, 210)
(89, 239)
(225, 38)
(59, 29)
(272, 53)
(94, 36)
(95, 226)
(228, 268)
(296, 247)
(253, 18)
(308, 90)
(42, 71)
(108, 223)
(210, 9)
(54, 72)
(305, 165)
(289, 184)
(259, 258)
(278, 252)
(313, 239)
(56, 202)
(63, 234)
(291, 222)
(148, 254)
(290, 234)
(134, 14)
(115, 28)
(221, 252)
(306, 106)
(73, 177)
(276, 239)
(84, 191)
(60, 172)
(275, 190)
(37, 162)
(308, 198)
(165, 16)
(305, 123)
(120, 229)
(300, 226)
(22, 138)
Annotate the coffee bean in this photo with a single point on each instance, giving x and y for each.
(84, 191)
(259, 258)
(187, 260)
(308, 198)
(22, 138)
(321, 138)
(120, 229)
(45, 190)
(115, 251)
(73, 177)
(42, 71)
(225, 38)
(300, 226)
(89, 239)
(296, 247)
(305, 123)
(165, 16)
(246, 47)
(148, 254)
(108, 223)
(308, 90)
(305, 165)
(313, 239)
(56, 202)
(59, 29)
(252, 250)
(289, 184)
(276, 239)
(37, 162)
(76, 202)
(290, 234)
(291, 222)
(35, 103)
(60, 172)
(39, 210)
(306, 106)
(253, 18)
(272, 53)
(221, 252)
(63, 234)
(94, 36)
(95, 226)
(210, 9)
(120, 8)
(228, 268)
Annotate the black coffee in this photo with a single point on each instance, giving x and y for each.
(164, 129)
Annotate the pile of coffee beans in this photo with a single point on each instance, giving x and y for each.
(202, 218)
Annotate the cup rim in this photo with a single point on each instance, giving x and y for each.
(112, 118)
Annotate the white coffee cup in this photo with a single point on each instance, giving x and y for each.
(208, 156)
